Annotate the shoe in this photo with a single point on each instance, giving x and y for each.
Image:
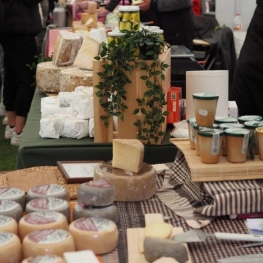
(4, 121)
(9, 131)
(16, 138)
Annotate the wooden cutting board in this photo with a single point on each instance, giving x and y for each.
(135, 237)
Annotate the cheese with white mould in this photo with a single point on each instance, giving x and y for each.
(47, 241)
(66, 48)
(41, 220)
(128, 154)
(10, 248)
(11, 208)
(89, 49)
(44, 259)
(94, 233)
(158, 229)
(8, 224)
(14, 194)
(85, 256)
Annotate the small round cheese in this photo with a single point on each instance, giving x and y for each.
(44, 259)
(14, 194)
(94, 233)
(99, 193)
(48, 204)
(11, 208)
(48, 190)
(10, 248)
(41, 220)
(109, 212)
(47, 242)
(8, 224)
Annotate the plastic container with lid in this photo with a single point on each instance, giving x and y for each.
(226, 119)
(244, 118)
(191, 122)
(129, 18)
(237, 24)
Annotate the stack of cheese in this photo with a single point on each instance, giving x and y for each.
(132, 179)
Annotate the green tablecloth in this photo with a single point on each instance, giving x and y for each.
(36, 151)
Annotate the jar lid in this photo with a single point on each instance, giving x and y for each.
(245, 118)
(129, 8)
(226, 119)
(205, 96)
(197, 127)
(192, 119)
(230, 125)
(207, 132)
(252, 124)
(115, 34)
(236, 132)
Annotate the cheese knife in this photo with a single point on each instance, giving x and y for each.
(253, 258)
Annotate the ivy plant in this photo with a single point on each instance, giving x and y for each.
(122, 56)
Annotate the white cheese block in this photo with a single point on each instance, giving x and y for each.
(129, 187)
(48, 190)
(74, 77)
(96, 193)
(92, 8)
(14, 194)
(108, 212)
(44, 259)
(66, 48)
(85, 256)
(158, 229)
(10, 248)
(89, 49)
(94, 233)
(47, 242)
(11, 208)
(48, 204)
(48, 77)
(128, 154)
(41, 220)
(8, 224)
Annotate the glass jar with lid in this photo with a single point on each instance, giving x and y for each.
(129, 18)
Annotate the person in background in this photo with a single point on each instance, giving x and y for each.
(247, 85)
(18, 32)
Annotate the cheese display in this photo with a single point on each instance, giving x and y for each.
(129, 187)
(11, 208)
(86, 16)
(47, 242)
(91, 23)
(10, 248)
(109, 212)
(66, 48)
(73, 77)
(92, 7)
(48, 190)
(89, 49)
(94, 233)
(48, 204)
(158, 229)
(48, 76)
(41, 220)
(14, 194)
(8, 224)
(85, 256)
(128, 154)
(96, 193)
(44, 259)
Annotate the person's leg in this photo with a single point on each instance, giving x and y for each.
(2, 106)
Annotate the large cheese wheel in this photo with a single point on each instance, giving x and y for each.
(48, 190)
(47, 242)
(10, 248)
(109, 212)
(48, 77)
(94, 233)
(48, 204)
(44, 259)
(11, 208)
(99, 193)
(41, 220)
(8, 224)
(74, 77)
(129, 187)
(14, 194)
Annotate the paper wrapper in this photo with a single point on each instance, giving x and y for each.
(51, 127)
(75, 128)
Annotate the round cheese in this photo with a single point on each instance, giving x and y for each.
(109, 212)
(94, 233)
(99, 193)
(41, 220)
(44, 259)
(14, 194)
(48, 190)
(8, 224)
(48, 204)
(47, 242)
(10, 248)
(48, 76)
(11, 208)
(129, 187)
(74, 77)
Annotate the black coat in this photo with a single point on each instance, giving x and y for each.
(113, 3)
(21, 17)
(1, 13)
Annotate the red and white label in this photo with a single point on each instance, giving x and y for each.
(48, 236)
(7, 192)
(47, 189)
(41, 218)
(93, 224)
(7, 205)
(98, 184)
(47, 203)
(4, 220)
(44, 259)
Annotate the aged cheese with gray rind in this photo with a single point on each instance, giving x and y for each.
(108, 212)
(129, 187)
(8, 224)
(155, 248)
(11, 208)
(96, 193)
(44, 259)
(14, 194)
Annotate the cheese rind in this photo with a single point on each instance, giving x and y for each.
(8, 224)
(128, 154)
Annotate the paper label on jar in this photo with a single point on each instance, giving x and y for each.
(245, 143)
(5, 238)
(48, 236)
(215, 144)
(203, 112)
(42, 217)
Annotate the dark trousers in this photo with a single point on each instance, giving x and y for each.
(20, 52)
